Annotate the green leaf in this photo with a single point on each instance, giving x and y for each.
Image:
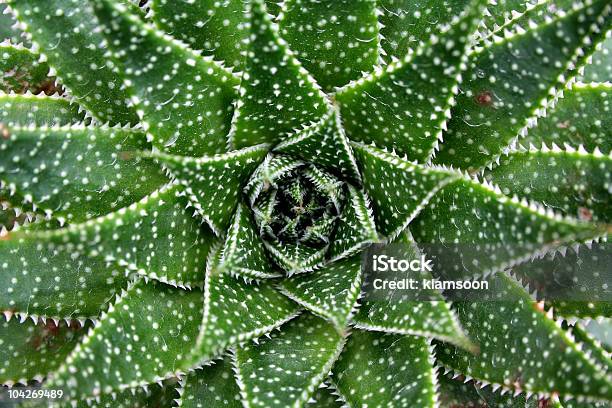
(73, 271)
(277, 94)
(422, 312)
(399, 189)
(406, 23)
(211, 386)
(72, 44)
(575, 282)
(512, 81)
(77, 172)
(299, 357)
(215, 27)
(386, 370)
(582, 117)
(330, 292)
(499, 12)
(576, 404)
(457, 393)
(572, 181)
(326, 184)
(31, 350)
(271, 170)
(47, 275)
(527, 14)
(296, 258)
(355, 228)
(325, 145)
(214, 183)
(335, 41)
(38, 110)
(592, 347)
(151, 395)
(9, 31)
(478, 219)
(318, 233)
(600, 69)
(406, 106)
(184, 100)
(22, 71)
(144, 337)
(155, 237)
(520, 348)
(244, 253)
(235, 311)
(324, 398)
(601, 330)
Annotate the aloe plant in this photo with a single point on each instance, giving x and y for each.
(187, 189)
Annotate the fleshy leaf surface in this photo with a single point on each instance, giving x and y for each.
(529, 14)
(330, 292)
(575, 282)
(73, 47)
(520, 348)
(324, 144)
(32, 350)
(370, 359)
(214, 183)
(43, 266)
(300, 356)
(600, 69)
(572, 181)
(155, 237)
(355, 228)
(244, 253)
(399, 188)
(217, 28)
(235, 311)
(277, 93)
(144, 337)
(8, 30)
(269, 173)
(153, 395)
(47, 276)
(502, 11)
(476, 219)
(184, 100)
(457, 393)
(324, 398)
(211, 386)
(336, 41)
(296, 258)
(497, 104)
(77, 172)
(406, 23)
(405, 107)
(591, 346)
(37, 110)
(582, 117)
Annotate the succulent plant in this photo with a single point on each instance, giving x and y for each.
(188, 189)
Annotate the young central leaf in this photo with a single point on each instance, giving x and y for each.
(303, 206)
(296, 208)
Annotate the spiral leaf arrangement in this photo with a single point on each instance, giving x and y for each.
(187, 187)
